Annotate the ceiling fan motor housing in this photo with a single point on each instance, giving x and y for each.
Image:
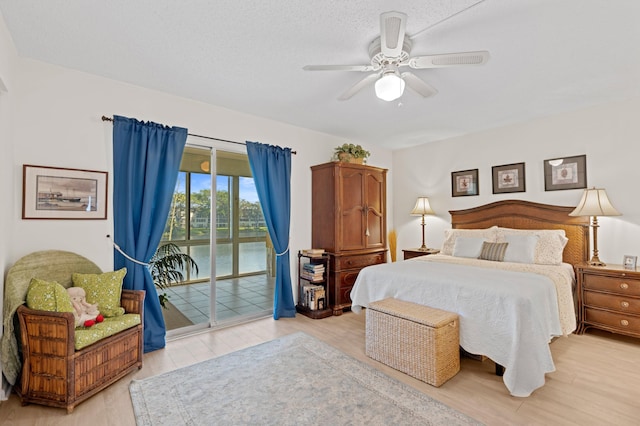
(379, 59)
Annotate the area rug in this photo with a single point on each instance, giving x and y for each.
(293, 380)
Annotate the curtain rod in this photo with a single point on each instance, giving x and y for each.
(105, 118)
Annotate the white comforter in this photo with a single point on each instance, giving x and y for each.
(508, 312)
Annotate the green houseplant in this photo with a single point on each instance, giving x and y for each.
(166, 267)
(351, 153)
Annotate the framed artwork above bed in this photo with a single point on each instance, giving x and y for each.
(508, 178)
(565, 173)
(464, 183)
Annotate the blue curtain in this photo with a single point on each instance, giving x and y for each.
(271, 168)
(146, 159)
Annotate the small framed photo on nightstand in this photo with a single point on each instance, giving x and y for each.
(629, 262)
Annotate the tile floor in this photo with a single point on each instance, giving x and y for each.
(234, 298)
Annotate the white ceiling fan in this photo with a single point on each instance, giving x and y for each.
(389, 53)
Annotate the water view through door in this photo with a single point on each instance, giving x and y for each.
(242, 253)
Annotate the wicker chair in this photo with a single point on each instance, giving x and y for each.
(54, 373)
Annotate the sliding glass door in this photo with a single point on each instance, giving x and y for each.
(228, 229)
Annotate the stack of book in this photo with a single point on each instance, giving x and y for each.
(313, 252)
(312, 272)
(313, 297)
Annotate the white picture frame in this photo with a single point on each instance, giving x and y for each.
(629, 262)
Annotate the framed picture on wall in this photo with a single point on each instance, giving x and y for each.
(58, 193)
(508, 178)
(565, 173)
(464, 183)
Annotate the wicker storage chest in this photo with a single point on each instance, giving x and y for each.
(415, 339)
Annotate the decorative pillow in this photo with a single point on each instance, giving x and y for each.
(522, 248)
(550, 245)
(48, 296)
(549, 250)
(450, 236)
(493, 251)
(103, 289)
(468, 247)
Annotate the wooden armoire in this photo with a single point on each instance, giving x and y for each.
(349, 210)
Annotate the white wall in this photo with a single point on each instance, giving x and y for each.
(51, 116)
(58, 123)
(607, 134)
(7, 188)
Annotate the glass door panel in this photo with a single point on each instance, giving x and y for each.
(252, 231)
(241, 288)
(253, 258)
(176, 227)
(224, 261)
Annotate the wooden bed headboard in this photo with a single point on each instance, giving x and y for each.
(528, 215)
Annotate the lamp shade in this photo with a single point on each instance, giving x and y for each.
(389, 87)
(595, 202)
(422, 207)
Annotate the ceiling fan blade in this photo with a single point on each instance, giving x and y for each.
(392, 29)
(449, 60)
(363, 68)
(418, 85)
(358, 86)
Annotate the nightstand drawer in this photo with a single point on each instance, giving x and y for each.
(622, 322)
(612, 302)
(619, 285)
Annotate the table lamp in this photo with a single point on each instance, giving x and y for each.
(595, 203)
(422, 208)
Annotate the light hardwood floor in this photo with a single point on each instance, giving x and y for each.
(596, 382)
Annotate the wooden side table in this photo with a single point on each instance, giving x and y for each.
(415, 252)
(609, 299)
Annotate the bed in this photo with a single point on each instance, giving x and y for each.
(509, 311)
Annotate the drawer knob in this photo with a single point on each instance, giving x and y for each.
(624, 304)
(624, 323)
(624, 286)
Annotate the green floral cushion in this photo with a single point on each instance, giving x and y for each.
(48, 296)
(103, 289)
(85, 336)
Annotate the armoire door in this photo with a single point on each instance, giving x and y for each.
(375, 226)
(352, 209)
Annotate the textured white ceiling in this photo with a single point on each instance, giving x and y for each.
(547, 56)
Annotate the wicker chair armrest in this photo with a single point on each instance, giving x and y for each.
(133, 301)
(41, 326)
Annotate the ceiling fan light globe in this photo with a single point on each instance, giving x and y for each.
(389, 87)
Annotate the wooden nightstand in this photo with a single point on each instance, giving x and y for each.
(609, 299)
(410, 253)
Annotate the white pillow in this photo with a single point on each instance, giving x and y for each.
(521, 248)
(550, 245)
(468, 247)
(450, 236)
(549, 249)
